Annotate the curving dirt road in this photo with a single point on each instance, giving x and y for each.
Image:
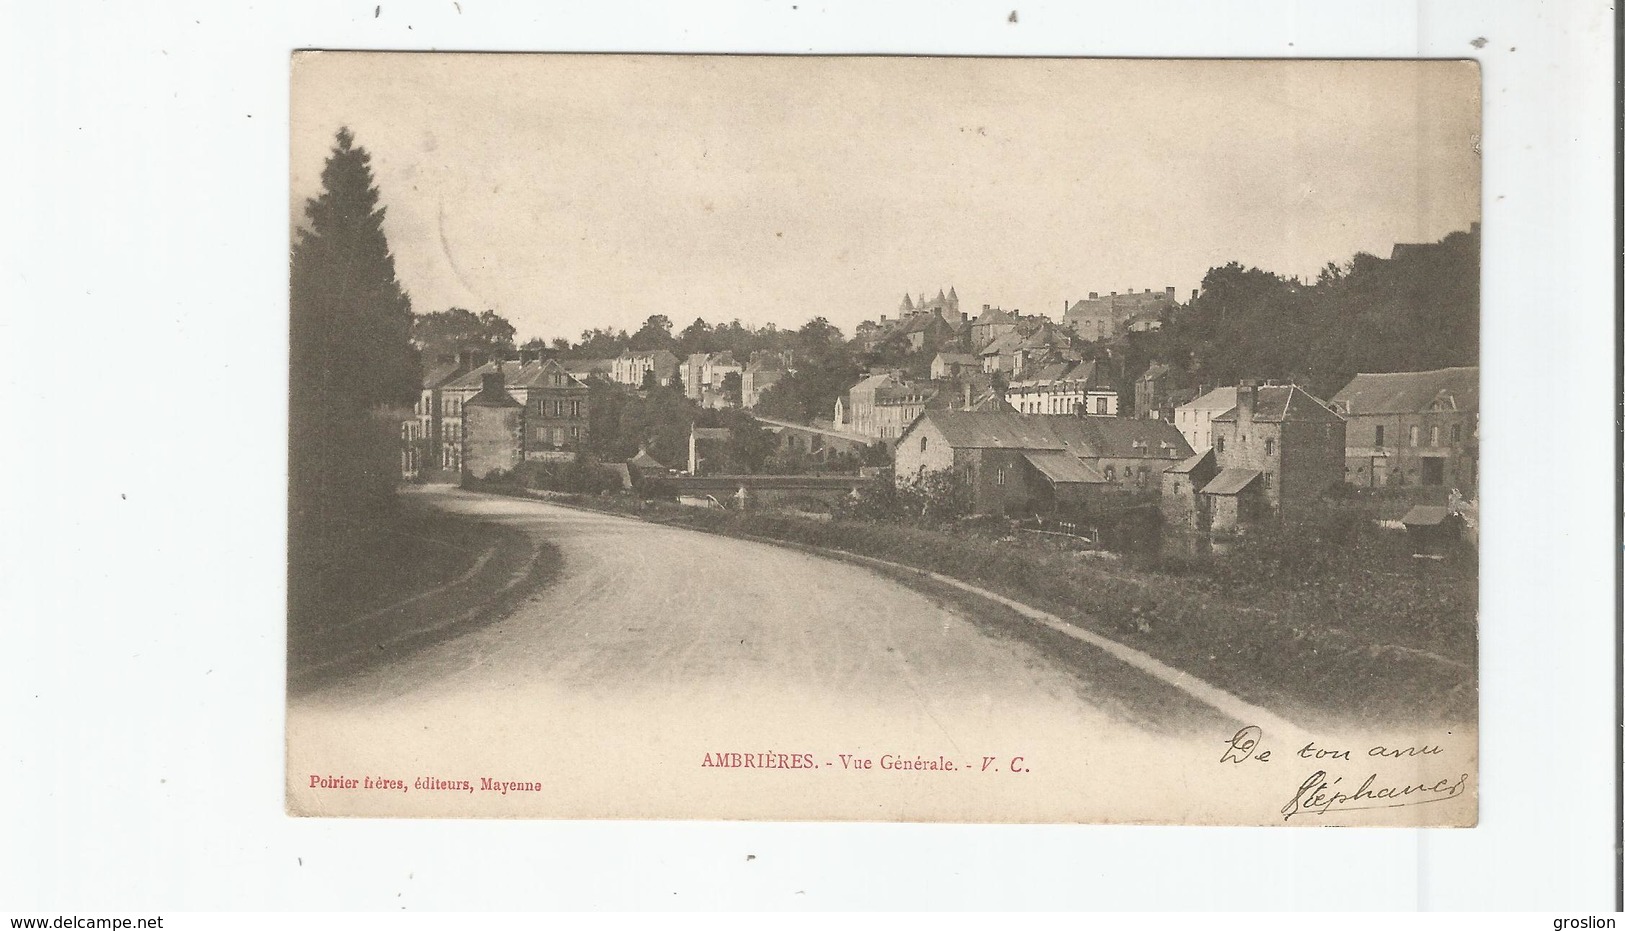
(656, 647)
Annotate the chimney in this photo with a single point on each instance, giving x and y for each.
(967, 395)
(1246, 400)
(527, 356)
(1094, 295)
(491, 383)
(1170, 292)
(1194, 292)
(986, 308)
(882, 318)
(964, 317)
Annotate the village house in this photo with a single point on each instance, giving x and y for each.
(1025, 463)
(1099, 318)
(1274, 455)
(423, 449)
(949, 365)
(633, 368)
(1063, 387)
(555, 405)
(882, 405)
(1412, 428)
(992, 324)
(765, 370)
(1195, 418)
(1152, 392)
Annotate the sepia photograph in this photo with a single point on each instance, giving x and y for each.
(866, 438)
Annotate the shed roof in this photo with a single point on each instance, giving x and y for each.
(1063, 468)
(644, 461)
(1190, 465)
(1231, 482)
(1410, 392)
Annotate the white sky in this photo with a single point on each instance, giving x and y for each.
(568, 192)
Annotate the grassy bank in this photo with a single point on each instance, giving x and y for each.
(1333, 629)
(370, 590)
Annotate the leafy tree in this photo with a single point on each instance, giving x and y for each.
(654, 334)
(350, 353)
(733, 388)
(696, 337)
(446, 332)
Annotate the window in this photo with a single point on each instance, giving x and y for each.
(575, 433)
(1416, 435)
(1218, 444)
(1269, 479)
(922, 444)
(1269, 446)
(998, 477)
(1378, 440)
(1433, 436)
(1455, 434)
(1100, 405)
(1111, 473)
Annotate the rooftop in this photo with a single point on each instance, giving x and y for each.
(1410, 392)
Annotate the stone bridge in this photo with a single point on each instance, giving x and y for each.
(816, 493)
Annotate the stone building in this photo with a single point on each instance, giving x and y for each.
(1412, 428)
(1283, 438)
(882, 405)
(493, 430)
(557, 408)
(1064, 387)
(1099, 318)
(1023, 463)
(1195, 418)
(632, 368)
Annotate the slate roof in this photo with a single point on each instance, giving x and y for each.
(438, 374)
(1231, 482)
(1190, 465)
(1280, 403)
(1410, 392)
(1083, 437)
(475, 378)
(991, 316)
(540, 375)
(1063, 468)
(645, 461)
(978, 430)
(1219, 399)
(516, 375)
(963, 358)
(1008, 342)
(492, 398)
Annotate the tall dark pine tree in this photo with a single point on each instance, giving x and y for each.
(350, 356)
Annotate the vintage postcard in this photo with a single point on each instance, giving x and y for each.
(881, 438)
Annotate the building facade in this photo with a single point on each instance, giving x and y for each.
(632, 368)
(1194, 419)
(1412, 428)
(1288, 441)
(1024, 463)
(1063, 388)
(1099, 318)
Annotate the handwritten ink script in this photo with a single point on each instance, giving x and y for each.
(1324, 792)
